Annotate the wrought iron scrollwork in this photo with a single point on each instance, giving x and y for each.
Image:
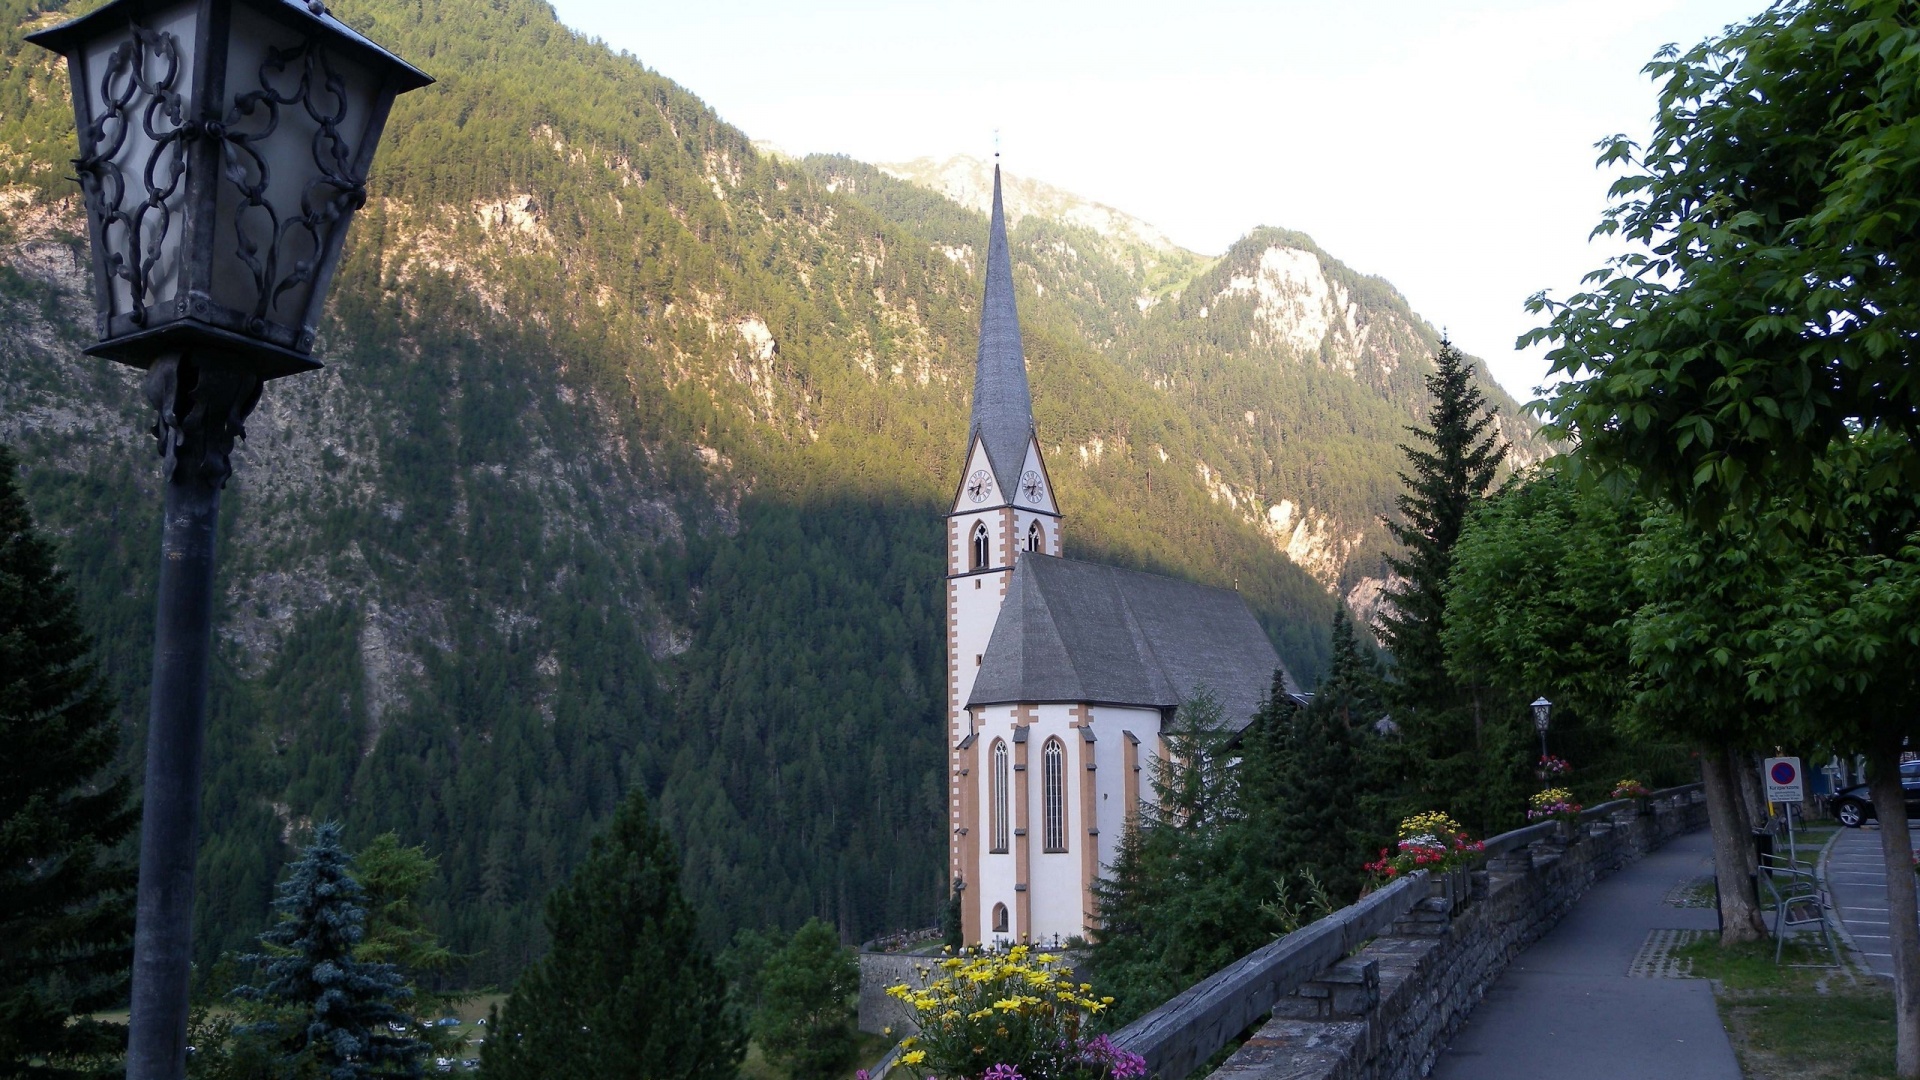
(201, 409)
(137, 85)
(334, 192)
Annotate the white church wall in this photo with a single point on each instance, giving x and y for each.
(1057, 886)
(998, 871)
(1110, 724)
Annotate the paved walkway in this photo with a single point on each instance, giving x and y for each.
(1567, 1009)
(1857, 877)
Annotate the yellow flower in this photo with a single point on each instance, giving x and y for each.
(913, 1057)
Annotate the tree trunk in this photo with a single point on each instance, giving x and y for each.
(1733, 860)
(1746, 769)
(1903, 918)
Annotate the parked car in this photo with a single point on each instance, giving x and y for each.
(1854, 806)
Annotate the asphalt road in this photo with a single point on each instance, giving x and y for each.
(1567, 1009)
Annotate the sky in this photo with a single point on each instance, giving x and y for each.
(1447, 147)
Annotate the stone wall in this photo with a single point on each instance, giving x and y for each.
(879, 970)
(1386, 1012)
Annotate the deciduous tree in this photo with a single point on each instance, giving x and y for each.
(1761, 330)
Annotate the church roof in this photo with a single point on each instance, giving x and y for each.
(1002, 404)
(1072, 631)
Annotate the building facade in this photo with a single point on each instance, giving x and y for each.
(1060, 673)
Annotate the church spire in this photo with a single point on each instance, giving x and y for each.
(1002, 405)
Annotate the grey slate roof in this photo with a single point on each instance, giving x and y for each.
(1072, 631)
(1002, 404)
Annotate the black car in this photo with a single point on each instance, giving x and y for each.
(1854, 806)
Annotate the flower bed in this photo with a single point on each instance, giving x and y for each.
(1009, 1014)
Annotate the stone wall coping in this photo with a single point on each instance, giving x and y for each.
(1548, 830)
(1181, 1034)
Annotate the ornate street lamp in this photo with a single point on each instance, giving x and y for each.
(224, 147)
(1542, 712)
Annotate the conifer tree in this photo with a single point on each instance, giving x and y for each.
(393, 875)
(1184, 895)
(66, 903)
(1452, 464)
(806, 1017)
(327, 1006)
(627, 990)
(1320, 818)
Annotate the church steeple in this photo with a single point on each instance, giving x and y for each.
(1002, 404)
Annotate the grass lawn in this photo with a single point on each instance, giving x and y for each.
(1798, 1023)
(871, 1048)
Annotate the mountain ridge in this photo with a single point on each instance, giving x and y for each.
(625, 470)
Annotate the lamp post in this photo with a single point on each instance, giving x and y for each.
(224, 147)
(1542, 712)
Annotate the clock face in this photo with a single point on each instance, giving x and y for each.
(979, 486)
(1030, 484)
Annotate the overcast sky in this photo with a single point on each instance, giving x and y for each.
(1446, 146)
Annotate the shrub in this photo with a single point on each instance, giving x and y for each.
(1010, 1014)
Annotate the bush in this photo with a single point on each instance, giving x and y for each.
(805, 1021)
(1010, 1014)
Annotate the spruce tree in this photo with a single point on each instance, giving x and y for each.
(1184, 895)
(627, 989)
(328, 1008)
(1451, 465)
(806, 1017)
(66, 892)
(1321, 810)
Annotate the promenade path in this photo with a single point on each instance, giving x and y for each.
(1856, 876)
(1566, 1008)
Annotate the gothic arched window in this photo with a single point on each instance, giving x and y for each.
(1036, 537)
(980, 546)
(999, 796)
(999, 918)
(1054, 769)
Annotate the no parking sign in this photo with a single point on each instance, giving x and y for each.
(1785, 782)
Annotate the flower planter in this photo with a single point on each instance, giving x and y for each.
(1454, 887)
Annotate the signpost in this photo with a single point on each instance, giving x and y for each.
(1787, 785)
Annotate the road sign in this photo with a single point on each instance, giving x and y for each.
(1784, 780)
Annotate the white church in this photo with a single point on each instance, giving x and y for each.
(1060, 673)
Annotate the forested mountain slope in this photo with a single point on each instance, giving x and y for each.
(626, 468)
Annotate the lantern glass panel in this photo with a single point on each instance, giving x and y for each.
(298, 115)
(139, 86)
